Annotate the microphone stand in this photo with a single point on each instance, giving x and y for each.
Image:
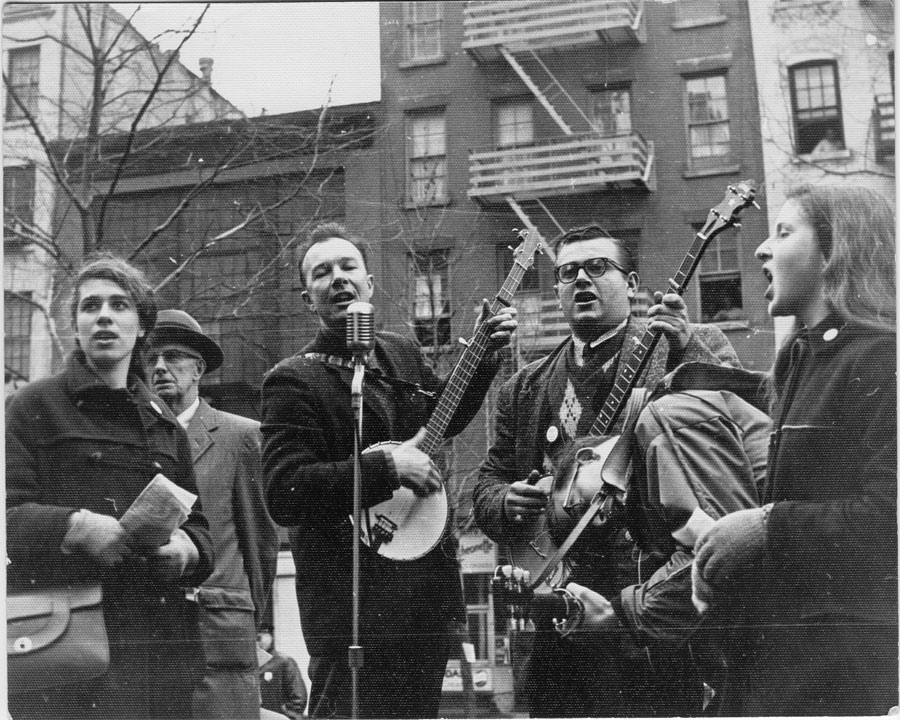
(355, 651)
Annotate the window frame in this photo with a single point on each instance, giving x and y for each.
(412, 25)
(17, 344)
(432, 330)
(599, 92)
(806, 147)
(699, 163)
(513, 103)
(15, 206)
(32, 89)
(718, 273)
(441, 189)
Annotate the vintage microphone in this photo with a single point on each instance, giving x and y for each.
(360, 341)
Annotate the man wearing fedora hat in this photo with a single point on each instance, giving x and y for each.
(226, 453)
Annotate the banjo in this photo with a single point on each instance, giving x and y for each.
(406, 526)
(535, 552)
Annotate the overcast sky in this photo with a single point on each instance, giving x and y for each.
(279, 57)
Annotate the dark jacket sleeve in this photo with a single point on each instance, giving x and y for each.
(304, 485)
(257, 536)
(498, 470)
(34, 530)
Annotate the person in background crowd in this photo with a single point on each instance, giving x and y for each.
(280, 683)
(813, 572)
(80, 447)
(545, 406)
(226, 455)
(407, 608)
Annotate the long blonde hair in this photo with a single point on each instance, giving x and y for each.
(855, 231)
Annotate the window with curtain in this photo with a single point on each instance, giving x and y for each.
(816, 105)
(431, 297)
(427, 158)
(24, 80)
(719, 278)
(709, 129)
(17, 311)
(514, 124)
(611, 111)
(423, 31)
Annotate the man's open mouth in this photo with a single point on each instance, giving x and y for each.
(343, 297)
(583, 297)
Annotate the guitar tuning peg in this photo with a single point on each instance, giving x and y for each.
(515, 230)
(464, 342)
(736, 225)
(510, 247)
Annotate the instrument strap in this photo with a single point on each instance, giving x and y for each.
(632, 410)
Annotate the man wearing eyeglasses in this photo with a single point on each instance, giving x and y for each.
(226, 454)
(541, 410)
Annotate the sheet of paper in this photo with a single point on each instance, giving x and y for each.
(161, 507)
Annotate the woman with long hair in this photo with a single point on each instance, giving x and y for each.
(808, 582)
(80, 447)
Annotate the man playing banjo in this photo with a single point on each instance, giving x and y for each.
(307, 423)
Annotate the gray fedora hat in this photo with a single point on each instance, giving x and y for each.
(177, 326)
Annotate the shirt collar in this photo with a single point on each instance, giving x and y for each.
(608, 335)
(186, 415)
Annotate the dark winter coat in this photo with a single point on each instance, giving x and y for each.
(73, 442)
(827, 644)
(307, 426)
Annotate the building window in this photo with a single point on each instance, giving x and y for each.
(18, 196)
(816, 104)
(427, 158)
(431, 298)
(720, 280)
(17, 311)
(689, 11)
(514, 124)
(424, 27)
(709, 131)
(611, 111)
(23, 74)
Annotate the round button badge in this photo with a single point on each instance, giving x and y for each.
(552, 433)
(830, 335)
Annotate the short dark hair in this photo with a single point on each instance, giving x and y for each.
(594, 231)
(325, 231)
(106, 266)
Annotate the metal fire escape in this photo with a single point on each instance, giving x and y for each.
(583, 159)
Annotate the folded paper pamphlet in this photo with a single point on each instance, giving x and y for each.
(161, 507)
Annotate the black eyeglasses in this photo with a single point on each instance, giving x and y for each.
(170, 357)
(594, 267)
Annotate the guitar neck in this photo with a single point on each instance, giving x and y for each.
(630, 373)
(466, 366)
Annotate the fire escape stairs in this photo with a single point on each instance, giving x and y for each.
(543, 84)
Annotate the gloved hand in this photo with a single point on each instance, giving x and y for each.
(727, 557)
(175, 559)
(598, 616)
(100, 537)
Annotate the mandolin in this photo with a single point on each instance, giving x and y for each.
(536, 553)
(406, 526)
